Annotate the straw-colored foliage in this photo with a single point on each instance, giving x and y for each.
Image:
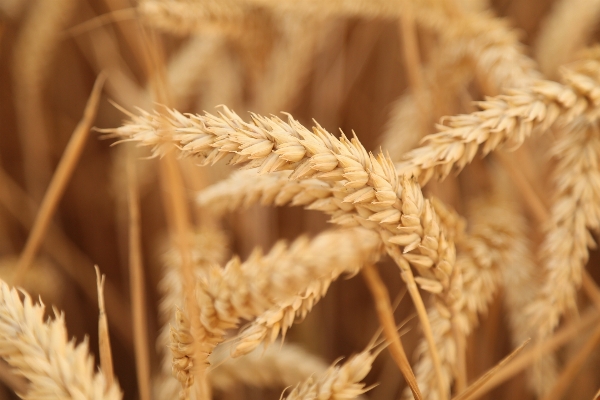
(317, 199)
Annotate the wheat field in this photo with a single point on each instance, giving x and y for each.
(299, 199)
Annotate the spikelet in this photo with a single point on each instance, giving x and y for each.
(245, 188)
(40, 352)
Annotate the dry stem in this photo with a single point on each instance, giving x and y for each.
(386, 318)
(106, 362)
(59, 181)
(136, 280)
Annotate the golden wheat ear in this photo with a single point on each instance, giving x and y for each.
(40, 351)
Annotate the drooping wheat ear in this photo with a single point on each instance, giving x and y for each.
(507, 119)
(367, 189)
(563, 32)
(483, 253)
(445, 318)
(282, 364)
(40, 352)
(339, 381)
(574, 212)
(210, 247)
(247, 290)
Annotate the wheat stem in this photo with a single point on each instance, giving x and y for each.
(59, 181)
(73, 262)
(574, 365)
(106, 362)
(468, 392)
(386, 318)
(136, 281)
(521, 362)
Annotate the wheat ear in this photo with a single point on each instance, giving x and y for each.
(209, 247)
(506, 119)
(574, 211)
(40, 352)
(246, 290)
(339, 381)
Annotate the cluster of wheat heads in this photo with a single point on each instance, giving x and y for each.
(470, 182)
